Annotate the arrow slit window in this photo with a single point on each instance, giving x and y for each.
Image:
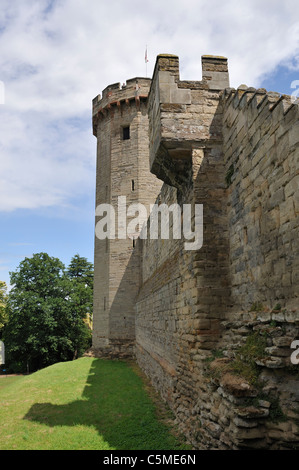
(126, 133)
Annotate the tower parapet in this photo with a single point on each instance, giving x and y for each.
(183, 115)
(117, 96)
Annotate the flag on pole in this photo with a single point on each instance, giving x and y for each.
(146, 59)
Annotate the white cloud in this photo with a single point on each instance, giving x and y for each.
(58, 55)
(44, 162)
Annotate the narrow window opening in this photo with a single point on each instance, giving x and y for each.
(126, 133)
(104, 303)
(133, 185)
(133, 242)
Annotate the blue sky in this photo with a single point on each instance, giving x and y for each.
(57, 55)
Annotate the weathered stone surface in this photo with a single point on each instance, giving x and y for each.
(236, 153)
(120, 173)
(237, 386)
(252, 412)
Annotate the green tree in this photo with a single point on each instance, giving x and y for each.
(80, 273)
(3, 300)
(44, 324)
(81, 269)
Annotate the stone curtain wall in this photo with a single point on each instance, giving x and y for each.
(261, 147)
(214, 327)
(185, 293)
(159, 308)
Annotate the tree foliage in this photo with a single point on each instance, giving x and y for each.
(80, 271)
(3, 300)
(47, 307)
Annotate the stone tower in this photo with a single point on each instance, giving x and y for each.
(120, 123)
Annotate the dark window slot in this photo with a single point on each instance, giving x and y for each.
(126, 133)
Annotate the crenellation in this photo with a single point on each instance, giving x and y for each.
(236, 152)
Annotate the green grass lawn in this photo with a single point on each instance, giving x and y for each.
(87, 404)
(8, 380)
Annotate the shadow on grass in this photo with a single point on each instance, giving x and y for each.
(115, 403)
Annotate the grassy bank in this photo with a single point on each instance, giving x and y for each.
(88, 404)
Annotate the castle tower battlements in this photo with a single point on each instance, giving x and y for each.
(120, 123)
(115, 96)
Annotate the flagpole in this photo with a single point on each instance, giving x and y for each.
(146, 61)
